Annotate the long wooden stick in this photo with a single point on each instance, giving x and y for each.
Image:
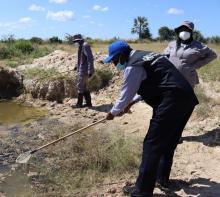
(65, 136)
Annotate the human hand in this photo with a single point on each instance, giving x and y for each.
(127, 109)
(109, 116)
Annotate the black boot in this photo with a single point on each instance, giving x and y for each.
(79, 103)
(163, 185)
(88, 99)
(133, 192)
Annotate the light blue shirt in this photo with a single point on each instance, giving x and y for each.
(133, 76)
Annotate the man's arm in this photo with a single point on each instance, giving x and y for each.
(206, 56)
(133, 76)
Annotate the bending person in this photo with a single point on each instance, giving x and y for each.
(158, 82)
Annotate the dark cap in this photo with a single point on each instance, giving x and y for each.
(77, 37)
(187, 24)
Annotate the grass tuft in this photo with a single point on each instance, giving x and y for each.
(86, 160)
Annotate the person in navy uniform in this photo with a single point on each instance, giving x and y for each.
(85, 69)
(151, 77)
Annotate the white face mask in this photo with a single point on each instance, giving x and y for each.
(76, 44)
(184, 35)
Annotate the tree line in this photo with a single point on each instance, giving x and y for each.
(141, 27)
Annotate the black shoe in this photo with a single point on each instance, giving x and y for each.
(88, 99)
(87, 105)
(163, 186)
(133, 192)
(79, 103)
(180, 141)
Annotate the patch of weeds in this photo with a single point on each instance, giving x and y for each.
(203, 110)
(200, 93)
(211, 72)
(12, 63)
(41, 51)
(85, 160)
(25, 46)
(38, 73)
(100, 79)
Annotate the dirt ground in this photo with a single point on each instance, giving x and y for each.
(196, 169)
(196, 166)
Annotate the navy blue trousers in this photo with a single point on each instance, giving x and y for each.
(170, 115)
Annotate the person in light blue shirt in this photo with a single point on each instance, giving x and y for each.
(153, 78)
(133, 76)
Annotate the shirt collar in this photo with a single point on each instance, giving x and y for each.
(132, 53)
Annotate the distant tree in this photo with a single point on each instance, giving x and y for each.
(36, 40)
(214, 39)
(55, 39)
(69, 38)
(8, 38)
(197, 35)
(166, 34)
(141, 28)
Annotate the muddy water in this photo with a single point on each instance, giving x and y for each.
(12, 113)
(16, 183)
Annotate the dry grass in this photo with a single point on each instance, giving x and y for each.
(211, 72)
(103, 48)
(204, 109)
(85, 160)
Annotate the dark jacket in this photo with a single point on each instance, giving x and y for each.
(85, 64)
(162, 78)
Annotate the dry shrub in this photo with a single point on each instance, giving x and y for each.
(84, 160)
(100, 79)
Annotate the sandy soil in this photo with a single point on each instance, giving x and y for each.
(196, 169)
(196, 164)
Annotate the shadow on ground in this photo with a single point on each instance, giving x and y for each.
(103, 108)
(201, 187)
(211, 138)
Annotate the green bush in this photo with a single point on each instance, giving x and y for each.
(12, 63)
(39, 73)
(23, 51)
(100, 79)
(4, 52)
(24, 46)
(41, 51)
(55, 40)
(36, 40)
